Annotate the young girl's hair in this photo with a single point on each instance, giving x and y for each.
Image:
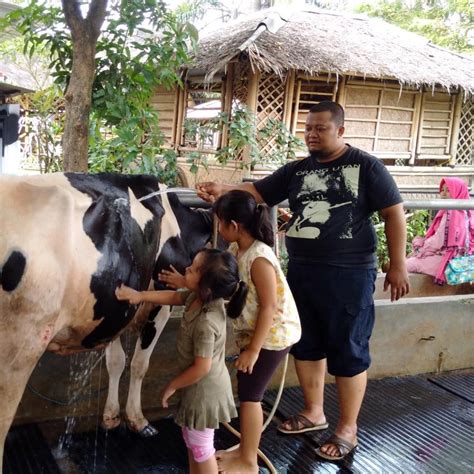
(220, 279)
(241, 207)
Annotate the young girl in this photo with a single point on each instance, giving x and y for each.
(450, 234)
(206, 392)
(269, 324)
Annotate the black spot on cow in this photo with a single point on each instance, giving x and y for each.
(148, 332)
(11, 272)
(127, 251)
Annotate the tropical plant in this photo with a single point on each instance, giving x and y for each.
(417, 224)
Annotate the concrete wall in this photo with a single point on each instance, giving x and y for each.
(430, 330)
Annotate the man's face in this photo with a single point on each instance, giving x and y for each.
(322, 134)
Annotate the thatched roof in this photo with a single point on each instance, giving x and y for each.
(342, 44)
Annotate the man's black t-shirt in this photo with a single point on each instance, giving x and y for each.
(331, 205)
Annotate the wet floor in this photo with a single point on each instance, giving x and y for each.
(421, 424)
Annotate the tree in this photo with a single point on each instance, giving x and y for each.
(447, 23)
(141, 45)
(84, 35)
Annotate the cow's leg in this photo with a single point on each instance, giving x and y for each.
(115, 361)
(19, 357)
(138, 368)
(12, 386)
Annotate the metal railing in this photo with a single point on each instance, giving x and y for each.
(192, 200)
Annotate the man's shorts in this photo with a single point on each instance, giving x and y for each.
(336, 309)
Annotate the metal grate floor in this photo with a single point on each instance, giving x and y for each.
(407, 425)
(459, 384)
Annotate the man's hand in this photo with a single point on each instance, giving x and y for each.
(397, 279)
(172, 278)
(209, 190)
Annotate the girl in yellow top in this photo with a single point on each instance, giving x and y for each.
(269, 324)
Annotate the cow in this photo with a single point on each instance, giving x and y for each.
(66, 241)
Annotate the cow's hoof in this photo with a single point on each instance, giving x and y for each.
(110, 423)
(146, 432)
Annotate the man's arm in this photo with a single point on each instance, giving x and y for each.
(210, 191)
(395, 230)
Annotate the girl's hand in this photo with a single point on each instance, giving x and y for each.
(168, 392)
(172, 278)
(124, 293)
(246, 361)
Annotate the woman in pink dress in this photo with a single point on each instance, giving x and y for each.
(450, 234)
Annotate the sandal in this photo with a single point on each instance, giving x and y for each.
(345, 448)
(301, 424)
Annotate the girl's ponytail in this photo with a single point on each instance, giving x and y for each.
(261, 226)
(237, 300)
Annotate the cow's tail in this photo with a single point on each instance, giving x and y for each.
(12, 270)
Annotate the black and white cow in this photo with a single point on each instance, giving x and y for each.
(66, 240)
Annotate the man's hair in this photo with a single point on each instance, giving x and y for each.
(337, 112)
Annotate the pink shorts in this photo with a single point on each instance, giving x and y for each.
(201, 443)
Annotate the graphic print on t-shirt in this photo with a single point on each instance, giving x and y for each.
(325, 195)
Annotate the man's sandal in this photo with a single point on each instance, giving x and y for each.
(345, 448)
(300, 424)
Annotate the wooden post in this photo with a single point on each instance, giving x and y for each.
(415, 128)
(453, 142)
(175, 117)
(227, 96)
(297, 107)
(379, 118)
(252, 96)
(181, 113)
(419, 136)
(341, 92)
(289, 93)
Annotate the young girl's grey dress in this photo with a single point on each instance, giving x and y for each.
(202, 334)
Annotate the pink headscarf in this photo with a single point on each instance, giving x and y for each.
(458, 237)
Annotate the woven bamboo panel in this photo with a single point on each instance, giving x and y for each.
(270, 104)
(465, 150)
(380, 120)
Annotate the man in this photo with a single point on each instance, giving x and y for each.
(331, 244)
